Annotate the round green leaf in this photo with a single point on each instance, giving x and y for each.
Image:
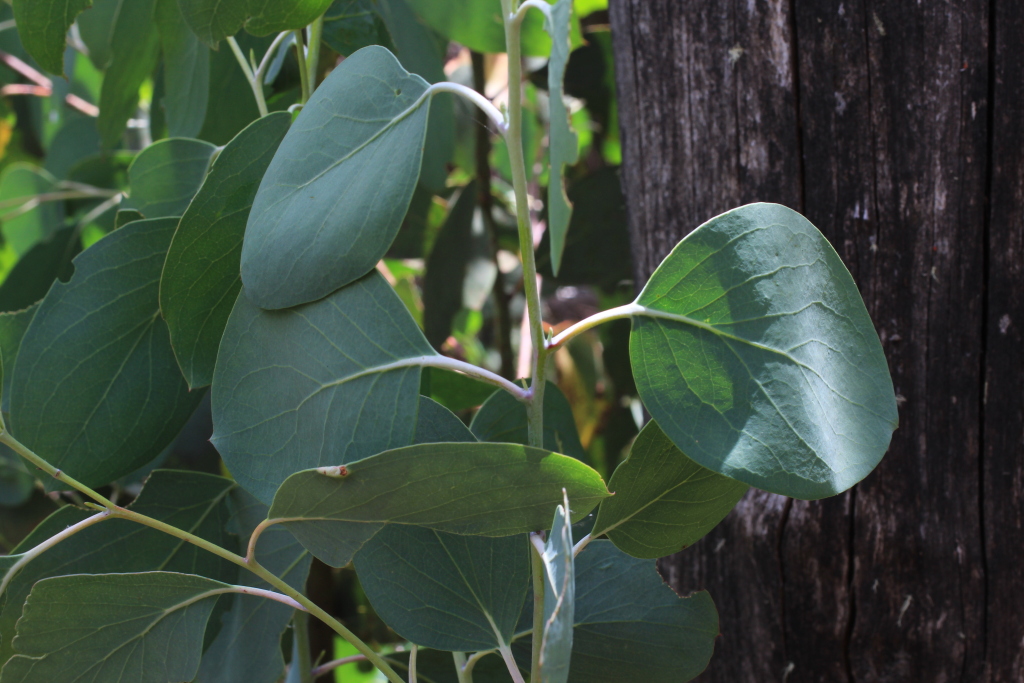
(753, 350)
(323, 384)
(663, 500)
(166, 176)
(339, 186)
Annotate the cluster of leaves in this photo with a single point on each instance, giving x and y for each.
(295, 209)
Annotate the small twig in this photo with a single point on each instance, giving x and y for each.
(412, 663)
(334, 664)
(583, 543)
(45, 85)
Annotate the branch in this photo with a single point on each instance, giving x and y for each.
(330, 666)
(44, 84)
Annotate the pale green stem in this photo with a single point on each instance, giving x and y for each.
(113, 511)
(316, 32)
(627, 311)
(301, 634)
(303, 73)
(544, 7)
(485, 105)
(510, 663)
(514, 140)
(537, 567)
(462, 672)
(334, 664)
(35, 552)
(254, 83)
(412, 662)
(268, 58)
(583, 543)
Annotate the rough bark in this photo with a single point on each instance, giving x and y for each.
(876, 120)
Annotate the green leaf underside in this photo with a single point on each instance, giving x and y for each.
(339, 186)
(96, 390)
(466, 488)
(443, 590)
(186, 72)
(214, 20)
(134, 49)
(477, 24)
(503, 419)
(628, 620)
(166, 176)
(663, 500)
(124, 628)
(197, 503)
(42, 26)
(200, 279)
(756, 356)
(564, 147)
(247, 647)
(327, 383)
(559, 599)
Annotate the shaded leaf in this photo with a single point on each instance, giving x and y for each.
(323, 384)
(597, 249)
(663, 500)
(42, 26)
(22, 228)
(503, 419)
(200, 279)
(437, 424)
(335, 194)
(197, 503)
(753, 350)
(563, 145)
(214, 20)
(351, 25)
(186, 72)
(628, 620)
(229, 84)
(125, 628)
(34, 272)
(12, 329)
(436, 666)
(166, 176)
(247, 647)
(96, 390)
(460, 260)
(75, 142)
(134, 49)
(96, 28)
(463, 488)
(477, 24)
(559, 598)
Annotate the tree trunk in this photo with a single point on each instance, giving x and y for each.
(895, 127)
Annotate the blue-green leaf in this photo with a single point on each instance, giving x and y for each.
(753, 350)
(42, 27)
(165, 176)
(563, 145)
(186, 72)
(323, 384)
(134, 49)
(663, 501)
(503, 419)
(335, 194)
(559, 598)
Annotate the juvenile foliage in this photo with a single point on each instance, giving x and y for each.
(340, 249)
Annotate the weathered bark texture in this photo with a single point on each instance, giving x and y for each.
(896, 128)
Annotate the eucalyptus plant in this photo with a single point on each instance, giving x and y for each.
(250, 268)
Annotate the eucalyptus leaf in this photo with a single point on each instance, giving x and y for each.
(165, 176)
(559, 598)
(96, 28)
(323, 384)
(34, 272)
(214, 20)
(477, 24)
(125, 628)
(186, 72)
(200, 279)
(134, 50)
(629, 621)
(351, 25)
(197, 503)
(22, 229)
(563, 145)
(752, 349)
(246, 648)
(96, 390)
(462, 488)
(228, 84)
(12, 328)
(42, 26)
(76, 141)
(502, 418)
(462, 247)
(663, 500)
(335, 194)
(439, 590)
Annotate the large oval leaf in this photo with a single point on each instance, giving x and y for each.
(96, 390)
(200, 280)
(125, 628)
(461, 488)
(663, 500)
(322, 384)
(335, 194)
(753, 350)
